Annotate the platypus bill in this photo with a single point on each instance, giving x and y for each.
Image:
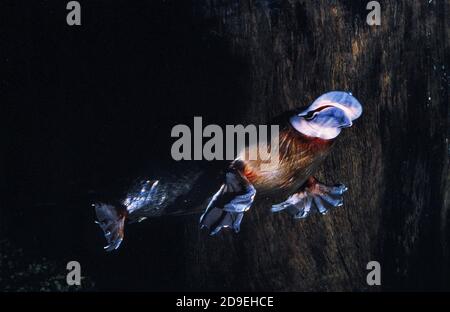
(305, 139)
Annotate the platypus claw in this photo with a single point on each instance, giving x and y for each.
(313, 194)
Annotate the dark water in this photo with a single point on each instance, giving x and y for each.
(90, 109)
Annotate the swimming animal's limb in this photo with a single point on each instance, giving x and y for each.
(306, 138)
(312, 194)
(228, 205)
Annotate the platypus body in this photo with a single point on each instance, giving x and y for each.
(305, 139)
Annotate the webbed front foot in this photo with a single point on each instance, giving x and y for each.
(312, 194)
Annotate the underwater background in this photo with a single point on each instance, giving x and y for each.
(88, 109)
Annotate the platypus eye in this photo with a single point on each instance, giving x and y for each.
(310, 115)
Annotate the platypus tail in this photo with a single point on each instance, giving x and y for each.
(147, 199)
(138, 204)
(112, 221)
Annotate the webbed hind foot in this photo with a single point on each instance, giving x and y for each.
(312, 194)
(228, 205)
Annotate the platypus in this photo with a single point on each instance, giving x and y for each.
(305, 139)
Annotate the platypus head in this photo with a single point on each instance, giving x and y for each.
(327, 115)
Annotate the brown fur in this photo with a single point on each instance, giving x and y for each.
(299, 157)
